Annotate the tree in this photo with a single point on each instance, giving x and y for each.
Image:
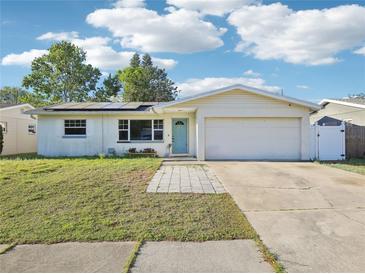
(135, 61)
(358, 95)
(110, 89)
(36, 100)
(11, 95)
(1, 139)
(142, 81)
(62, 74)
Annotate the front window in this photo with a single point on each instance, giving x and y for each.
(140, 130)
(31, 129)
(75, 127)
(158, 129)
(123, 130)
(4, 126)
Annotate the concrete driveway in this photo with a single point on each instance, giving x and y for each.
(311, 216)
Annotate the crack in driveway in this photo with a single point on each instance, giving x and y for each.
(304, 209)
(286, 188)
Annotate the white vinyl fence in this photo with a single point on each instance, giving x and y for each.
(327, 142)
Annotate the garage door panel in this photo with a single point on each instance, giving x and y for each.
(253, 138)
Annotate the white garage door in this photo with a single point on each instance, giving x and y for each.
(252, 138)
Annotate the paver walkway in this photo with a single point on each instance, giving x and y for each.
(205, 257)
(185, 179)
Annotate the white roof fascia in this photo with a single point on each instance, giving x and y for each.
(310, 105)
(324, 101)
(17, 106)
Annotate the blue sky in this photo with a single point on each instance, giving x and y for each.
(310, 49)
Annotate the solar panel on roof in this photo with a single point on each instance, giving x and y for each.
(114, 106)
(79, 106)
(149, 103)
(61, 106)
(97, 105)
(132, 105)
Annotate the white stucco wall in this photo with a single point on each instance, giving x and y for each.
(102, 130)
(102, 134)
(238, 103)
(17, 139)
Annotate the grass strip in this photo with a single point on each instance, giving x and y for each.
(352, 165)
(269, 257)
(8, 248)
(132, 257)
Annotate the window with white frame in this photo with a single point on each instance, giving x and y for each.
(123, 130)
(75, 127)
(4, 126)
(158, 129)
(31, 129)
(140, 130)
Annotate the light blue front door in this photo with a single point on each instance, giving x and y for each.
(179, 136)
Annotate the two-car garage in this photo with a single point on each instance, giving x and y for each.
(246, 123)
(252, 138)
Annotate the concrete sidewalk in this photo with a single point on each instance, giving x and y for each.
(212, 256)
(67, 257)
(203, 257)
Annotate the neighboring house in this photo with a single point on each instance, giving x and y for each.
(19, 129)
(237, 122)
(350, 110)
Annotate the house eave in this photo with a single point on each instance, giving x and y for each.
(18, 106)
(326, 101)
(311, 106)
(64, 113)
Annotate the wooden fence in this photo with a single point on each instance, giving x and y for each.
(355, 141)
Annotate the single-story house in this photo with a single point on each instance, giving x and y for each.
(349, 110)
(19, 129)
(236, 122)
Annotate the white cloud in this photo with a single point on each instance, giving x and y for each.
(100, 54)
(194, 86)
(360, 51)
(58, 36)
(129, 4)
(252, 73)
(22, 59)
(212, 7)
(164, 63)
(180, 31)
(311, 37)
(302, 86)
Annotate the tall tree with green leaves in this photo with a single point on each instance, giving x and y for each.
(62, 74)
(143, 81)
(11, 95)
(135, 61)
(111, 87)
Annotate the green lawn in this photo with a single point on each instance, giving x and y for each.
(353, 165)
(92, 199)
